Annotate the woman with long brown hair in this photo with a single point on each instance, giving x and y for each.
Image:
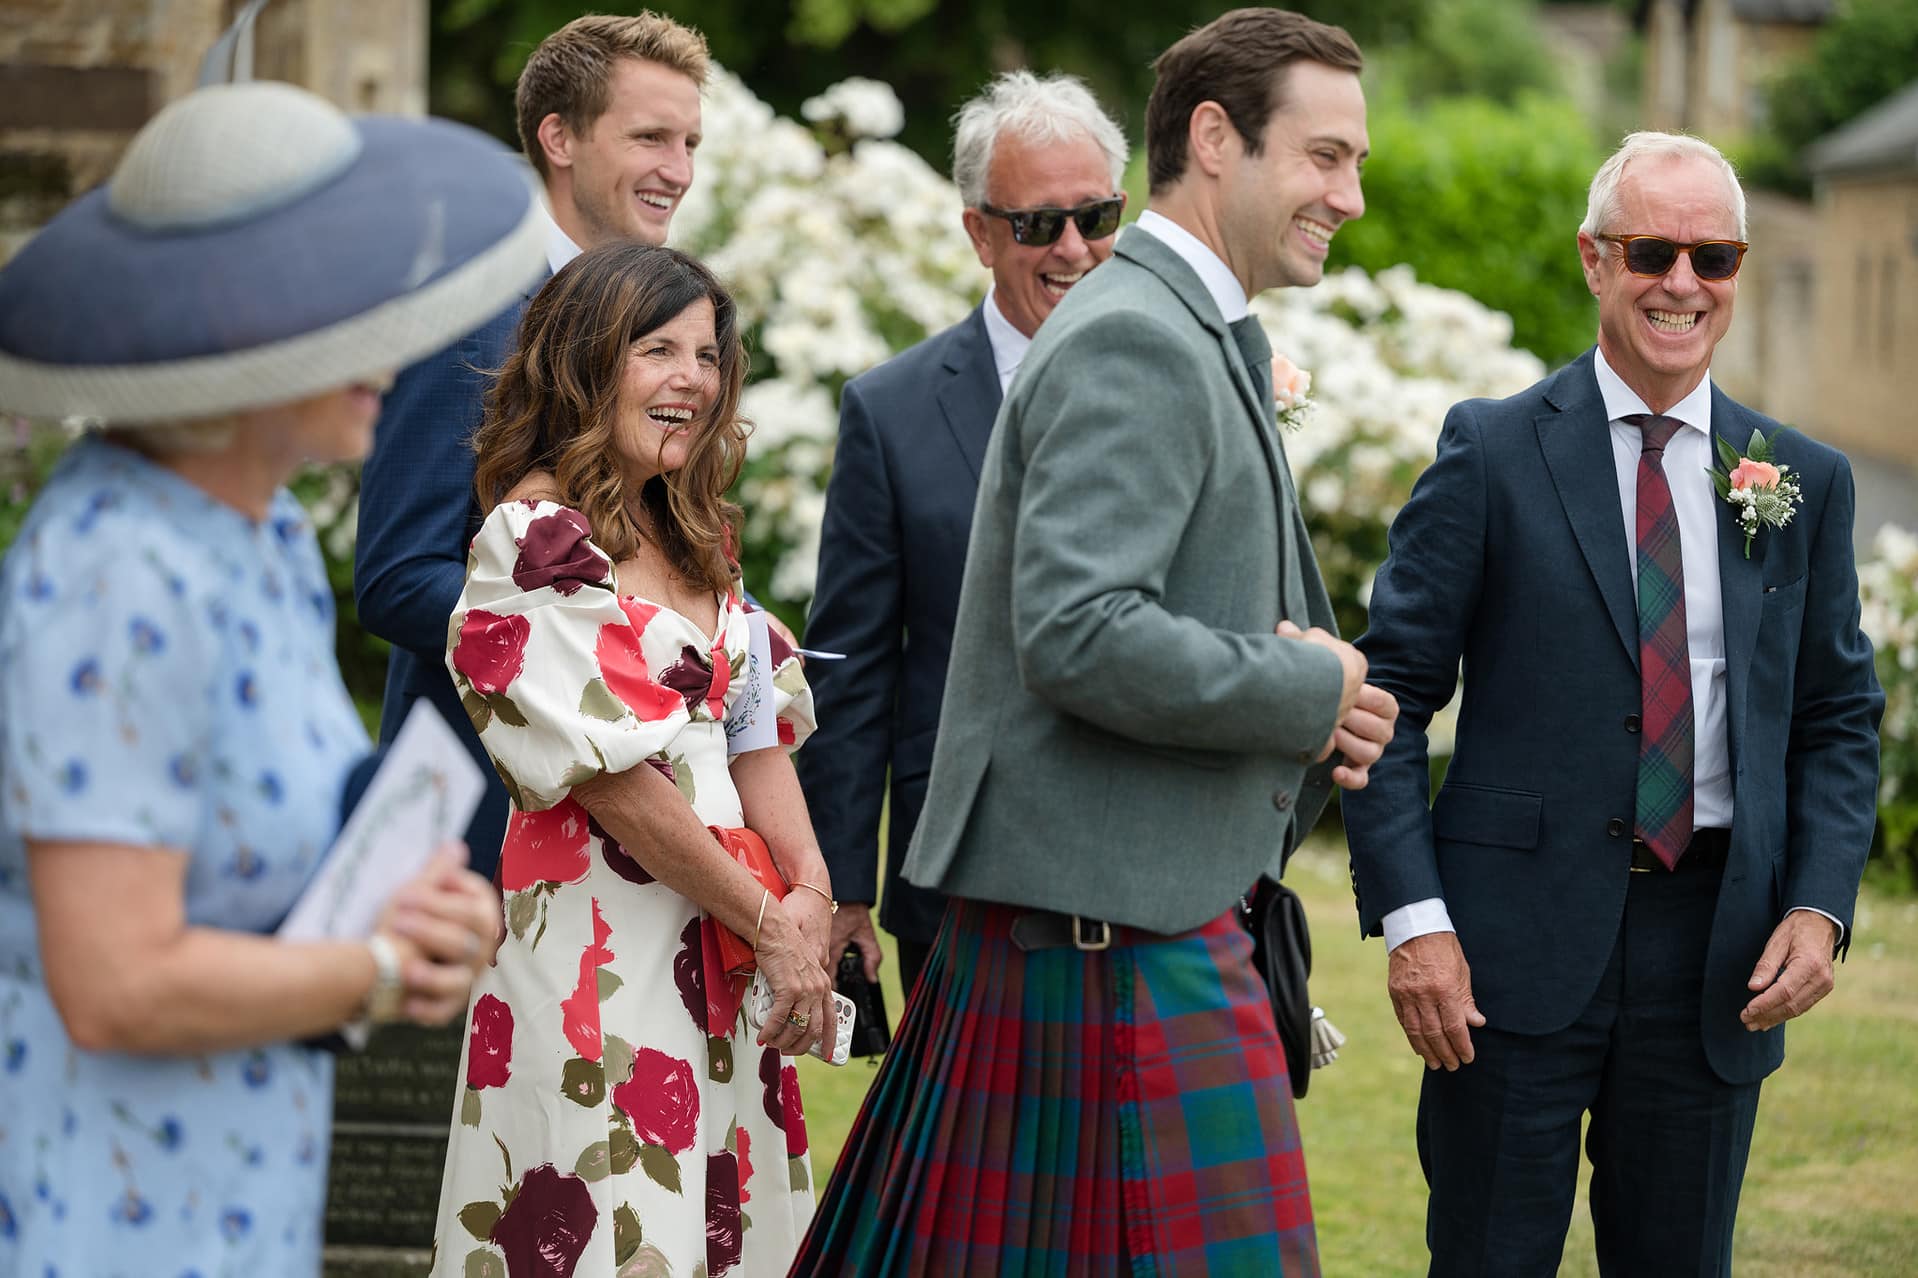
(600, 647)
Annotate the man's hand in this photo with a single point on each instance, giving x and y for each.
(1367, 713)
(853, 926)
(1431, 988)
(1362, 736)
(1794, 972)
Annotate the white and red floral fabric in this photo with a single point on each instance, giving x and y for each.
(600, 1129)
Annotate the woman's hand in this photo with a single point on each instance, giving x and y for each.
(448, 924)
(813, 914)
(788, 957)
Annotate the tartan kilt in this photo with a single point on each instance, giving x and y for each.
(1059, 1114)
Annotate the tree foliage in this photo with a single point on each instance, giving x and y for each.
(1863, 56)
(1485, 199)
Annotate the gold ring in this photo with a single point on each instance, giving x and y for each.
(797, 1021)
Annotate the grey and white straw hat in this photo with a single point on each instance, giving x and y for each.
(257, 245)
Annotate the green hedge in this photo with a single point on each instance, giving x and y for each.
(1485, 199)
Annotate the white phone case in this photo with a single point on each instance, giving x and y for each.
(759, 1004)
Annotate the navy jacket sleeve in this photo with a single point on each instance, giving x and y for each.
(858, 610)
(417, 510)
(1831, 762)
(1423, 602)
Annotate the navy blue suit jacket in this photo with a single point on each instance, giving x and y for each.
(1512, 555)
(892, 552)
(418, 515)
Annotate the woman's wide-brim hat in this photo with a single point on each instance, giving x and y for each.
(256, 245)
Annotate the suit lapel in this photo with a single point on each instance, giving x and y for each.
(969, 397)
(1740, 580)
(1577, 444)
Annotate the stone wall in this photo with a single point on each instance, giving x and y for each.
(79, 77)
(1865, 316)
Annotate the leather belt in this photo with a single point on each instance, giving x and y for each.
(1707, 851)
(1045, 930)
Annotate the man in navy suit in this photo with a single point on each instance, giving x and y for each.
(1038, 164)
(608, 111)
(1648, 844)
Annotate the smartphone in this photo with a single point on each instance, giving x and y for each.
(834, 1048)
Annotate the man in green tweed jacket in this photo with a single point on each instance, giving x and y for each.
(1144, 698)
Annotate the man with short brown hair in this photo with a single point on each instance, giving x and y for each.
(1142, 701)
(609, 114)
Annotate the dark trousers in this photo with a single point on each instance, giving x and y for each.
(1668, 1141)
(912, 961)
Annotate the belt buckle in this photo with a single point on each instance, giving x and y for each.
(1635, 868)
(1088, 940)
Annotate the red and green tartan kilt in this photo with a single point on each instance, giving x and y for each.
(1074, 1115)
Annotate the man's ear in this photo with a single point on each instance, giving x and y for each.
(1589, 251)
(556, 140)
(1210, 139)
(975, 223)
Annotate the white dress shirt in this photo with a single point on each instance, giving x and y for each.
(560, 248)
(1009, 345)
(1688, 454)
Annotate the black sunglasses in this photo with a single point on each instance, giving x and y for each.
(1651, 256)
(1040, 227)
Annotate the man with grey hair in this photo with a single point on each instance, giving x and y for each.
(1038, 164)
(1648, 844)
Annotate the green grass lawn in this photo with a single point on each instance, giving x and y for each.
(1833, 1183)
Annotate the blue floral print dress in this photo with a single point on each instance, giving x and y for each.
(166, 678)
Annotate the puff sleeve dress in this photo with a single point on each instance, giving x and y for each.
(599, 1127)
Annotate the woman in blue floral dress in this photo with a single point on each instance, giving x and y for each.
(175, 739)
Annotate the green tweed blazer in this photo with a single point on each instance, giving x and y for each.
(1123, 735)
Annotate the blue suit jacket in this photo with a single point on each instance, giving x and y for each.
(1512, 555)
(418, 515)
(892, 553)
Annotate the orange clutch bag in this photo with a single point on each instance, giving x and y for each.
(728, 957)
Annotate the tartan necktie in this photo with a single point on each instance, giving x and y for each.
(1664, 807)
(1257, 350)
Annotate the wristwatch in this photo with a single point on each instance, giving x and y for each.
(383, 999)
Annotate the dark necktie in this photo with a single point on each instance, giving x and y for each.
(1250, 336)
(1664, 809)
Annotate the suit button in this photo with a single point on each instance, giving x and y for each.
(1632, 723)
(1615, 827)
(1281, 799)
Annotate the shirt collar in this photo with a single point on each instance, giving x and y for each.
(1008, 344)
(1217, 277)
(1695, 410)
(560, 248)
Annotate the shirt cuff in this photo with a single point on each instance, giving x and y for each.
(1837, 941)
(1416, 919)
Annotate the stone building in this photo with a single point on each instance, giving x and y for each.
(1865, 316)
(79, 77)
(1706, 61)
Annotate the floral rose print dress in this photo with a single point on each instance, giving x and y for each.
(600, 1128)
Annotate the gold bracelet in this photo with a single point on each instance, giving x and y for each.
(765, 895)
(823, 892)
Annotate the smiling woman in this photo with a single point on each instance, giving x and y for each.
(600, 645)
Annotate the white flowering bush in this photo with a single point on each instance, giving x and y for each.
(1888, 585)
(842, 248)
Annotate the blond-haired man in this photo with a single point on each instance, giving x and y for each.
(608, 110)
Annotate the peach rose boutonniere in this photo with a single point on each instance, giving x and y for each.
(1762, 493)
(1291, 391)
